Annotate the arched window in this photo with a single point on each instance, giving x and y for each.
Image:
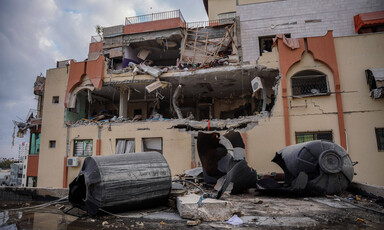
(309, 83)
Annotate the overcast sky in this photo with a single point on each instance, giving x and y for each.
(34, 34)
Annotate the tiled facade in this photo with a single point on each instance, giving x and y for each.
(299, 18)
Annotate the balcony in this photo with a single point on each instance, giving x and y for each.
(154, 22)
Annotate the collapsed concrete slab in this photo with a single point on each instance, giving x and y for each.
(210, 210)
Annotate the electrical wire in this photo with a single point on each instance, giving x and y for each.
(122, 216)
(61, 200)
(204, 193)
(360, 206)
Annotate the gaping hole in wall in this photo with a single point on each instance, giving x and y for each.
(266, 43)
(161, 51)
(224, 94)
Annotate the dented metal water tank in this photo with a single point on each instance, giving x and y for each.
(319, 167)
(120, 182)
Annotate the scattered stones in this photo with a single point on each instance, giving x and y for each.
(140, 224)
(211, 209)
(105, 223)
(257, 201)
(193, 222)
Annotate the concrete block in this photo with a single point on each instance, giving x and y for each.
(113, 30)
(211, 210)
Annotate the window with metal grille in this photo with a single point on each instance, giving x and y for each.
(311, 136)
(380, 138)
(309, 83)
(82, 148)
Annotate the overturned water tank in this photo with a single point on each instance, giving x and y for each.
(120, 182)
(318, 167)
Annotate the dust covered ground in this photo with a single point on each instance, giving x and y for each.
(257, 211)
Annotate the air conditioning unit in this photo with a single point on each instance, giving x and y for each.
(72, 162)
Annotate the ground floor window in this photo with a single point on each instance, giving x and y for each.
(153, 144)
(125, 146)
(380, 138)
(311, 136)
(31, 181)
(82, 148)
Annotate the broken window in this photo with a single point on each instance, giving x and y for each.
(55, 100)
(82, 148)
(266, 43)
(35, 144)
(309, 83)
(125, 146)
(375, 80)
(380, 138)
(52, 144)
(153, 144)
(311, 136)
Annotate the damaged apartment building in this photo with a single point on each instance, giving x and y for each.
(278, 77)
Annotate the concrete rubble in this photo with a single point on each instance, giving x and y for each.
(256, 211)
(210, 210)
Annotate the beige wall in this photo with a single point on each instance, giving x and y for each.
(362, 114)
(216, 7)
(176, 144)
(51, 160)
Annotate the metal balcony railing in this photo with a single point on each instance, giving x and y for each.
(210, 23)
(154, 17)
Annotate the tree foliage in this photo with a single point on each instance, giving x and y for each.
(6, 164)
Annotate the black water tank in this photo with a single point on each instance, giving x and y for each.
(120, 182)
(327, 165)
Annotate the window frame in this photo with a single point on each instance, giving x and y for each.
(145, 138)
(314, 135)
(269, 38)
(55, 99)
(52, 144)
(316, 74)
(34, 144)
(82, 154)
(380, 145)
(125, 139)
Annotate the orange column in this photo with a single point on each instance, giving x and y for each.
(287, 58)
(98, 147)
(323, 49)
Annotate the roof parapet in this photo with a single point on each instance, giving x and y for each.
(154, 17)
